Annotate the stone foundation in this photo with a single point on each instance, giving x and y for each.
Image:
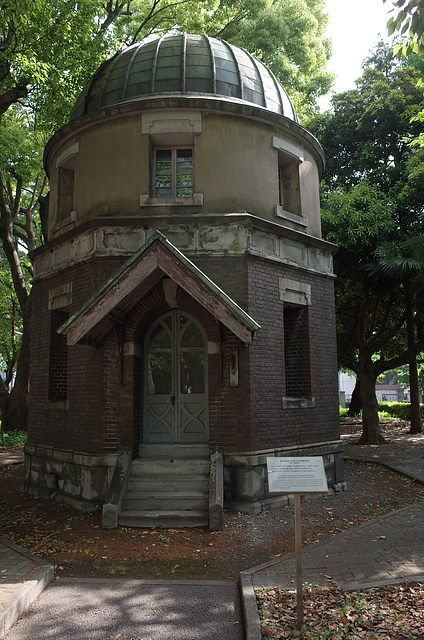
(82, 479)
(73, 477)
(246, 481)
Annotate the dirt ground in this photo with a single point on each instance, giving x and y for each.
(79, 547)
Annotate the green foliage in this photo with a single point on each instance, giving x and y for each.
(401, 375)
(12, 438)
(395, 260)
(400, 410)
(370, 197)
(10, 321)
(409, 22)
(21, 145)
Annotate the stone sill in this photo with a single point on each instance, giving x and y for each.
(195, 201)
(61, 405)
(66, 224)
(302, 221)
(68, 455)
(298, 403)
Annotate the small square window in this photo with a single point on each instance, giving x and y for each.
(173, 172)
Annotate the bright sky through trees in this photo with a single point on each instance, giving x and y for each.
(354, 28)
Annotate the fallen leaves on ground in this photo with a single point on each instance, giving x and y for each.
(393, 612)
(76, 543)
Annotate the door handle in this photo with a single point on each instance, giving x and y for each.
(173, 401)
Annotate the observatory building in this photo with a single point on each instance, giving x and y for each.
(183, 304)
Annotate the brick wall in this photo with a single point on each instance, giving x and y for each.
(104, 387)
(275, 426)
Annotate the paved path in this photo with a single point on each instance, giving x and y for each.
(381, 551)
(14, 457)
(71, 609)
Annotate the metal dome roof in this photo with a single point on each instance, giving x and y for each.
(183, 64)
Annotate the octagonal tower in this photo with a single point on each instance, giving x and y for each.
(185, 295)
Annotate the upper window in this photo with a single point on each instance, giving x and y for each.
(289, 204)
(173, 173)
(288, 186)
(66, 192)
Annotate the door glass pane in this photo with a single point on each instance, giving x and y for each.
(192, 337)
(192, 372)
(159, 373)
(160, 338)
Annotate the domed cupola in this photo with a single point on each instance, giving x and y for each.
(188, 65)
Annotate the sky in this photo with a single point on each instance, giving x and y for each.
(354, 28)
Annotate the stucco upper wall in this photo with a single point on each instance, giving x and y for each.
(105, 166)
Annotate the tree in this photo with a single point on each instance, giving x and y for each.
(44, 66)
(404, 263)
(409, 19)
(371, 195)
(21, 183)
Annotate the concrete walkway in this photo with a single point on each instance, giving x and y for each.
(13, 457)
(385, 550)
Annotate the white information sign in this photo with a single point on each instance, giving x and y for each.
(297, 475)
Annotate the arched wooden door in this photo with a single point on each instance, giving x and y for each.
(175, 381)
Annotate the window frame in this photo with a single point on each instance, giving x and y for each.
(174, 175)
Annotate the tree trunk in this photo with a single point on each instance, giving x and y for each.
(355, 404)
(371, 433)
(15, 404)
(416, 424)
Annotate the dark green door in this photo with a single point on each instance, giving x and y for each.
(175, 381)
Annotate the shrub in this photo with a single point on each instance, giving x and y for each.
(12, 438)
(400, 410)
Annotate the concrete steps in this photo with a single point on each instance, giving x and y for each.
(168, 487)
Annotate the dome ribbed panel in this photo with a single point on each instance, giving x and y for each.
(183, 64)
(252, 85)
(272, 95)
(199, 70)
(227, 73)
(169, 66)
(140, 78)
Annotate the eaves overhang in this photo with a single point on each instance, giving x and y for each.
(156, 259)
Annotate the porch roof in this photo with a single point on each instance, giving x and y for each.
(131, 282)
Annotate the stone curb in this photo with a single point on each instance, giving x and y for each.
(27, 592)
(252, 625)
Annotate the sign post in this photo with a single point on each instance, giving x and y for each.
(297, 476)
